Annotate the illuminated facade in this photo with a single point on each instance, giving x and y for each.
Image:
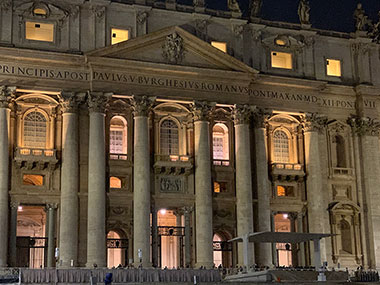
(153, 133)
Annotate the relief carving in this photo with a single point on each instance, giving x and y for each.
(142, 105)
(6, 5)
(242, 114)
(141, 17)
(171, 185)
(173, 50)
(313, 122)
(70, 101)
(364, 126)
(261, 117)
(202, 110)
(98, 101)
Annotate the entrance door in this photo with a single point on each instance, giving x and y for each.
(116, 250)
(284, 250)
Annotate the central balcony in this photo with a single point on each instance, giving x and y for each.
(287, 171)
(31, 158)
(172, 164)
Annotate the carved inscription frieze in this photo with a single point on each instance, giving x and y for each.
(170, 184)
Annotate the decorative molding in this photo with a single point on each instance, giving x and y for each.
(238, 30)
(142, 105)
(256, 35)
(51, 206)
(202, 110)
(98, 101)
(170, 184)
(70, 101)
(74, 11)
(199, 3)
(242, 114)
(141, 17)
(201, 27)
(7, 96)
(6, 5)
(173, 50)
(337, 127)
(364, 126)
(313, 122)
(99, 12)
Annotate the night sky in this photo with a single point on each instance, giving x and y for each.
(325, 14)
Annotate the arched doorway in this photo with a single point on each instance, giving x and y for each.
(116, 250)
(222, 250)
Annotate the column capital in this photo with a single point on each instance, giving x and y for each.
(14, 204)
(314, 122)
(71, 100)
(364, 126)
(98, 101)
(242, 114)
(51, 206)
(187, 210)
(261, 117)
(7, 96)
(142, 105)
(201, 110)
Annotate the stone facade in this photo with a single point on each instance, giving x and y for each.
(296, 140)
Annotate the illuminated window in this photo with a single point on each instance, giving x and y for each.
(220, 187)
(220, 46)
(281, 146)
(115, 182)
(285, 191)
(169, 140)
(32, 179)
(35, 126)
(118, 36)
(280, 42)
(333, 67)
(281, 60)
(220, 142)
(118, 135)
(39, 31)
(39, 12)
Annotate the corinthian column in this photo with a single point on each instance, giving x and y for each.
(96, 220)
(264, 254)
(244, 210)
(203, 191)
(68, 232)
(367, 133)
(141, 181)
(6, 98)
(313, 124)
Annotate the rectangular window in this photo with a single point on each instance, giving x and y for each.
(39, 31)
(281, 60)
(118, 36)
(285, 191)
(220, 46)
(116, 141)
(33, 180)
(333, 67)
(220, 187)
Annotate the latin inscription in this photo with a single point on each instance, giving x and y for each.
(142, 80)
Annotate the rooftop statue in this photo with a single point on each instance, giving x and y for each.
(374, 33)
(304, 12)
(256, 8)
(233, 5)
(362, 21)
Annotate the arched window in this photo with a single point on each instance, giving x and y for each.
(345, 234)
(35, 127)
(169, 138)
(118, 135)
(281, 146)
(220, 142)
(340, 151)
(218, 258)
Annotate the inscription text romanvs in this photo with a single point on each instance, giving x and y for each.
(182, 84)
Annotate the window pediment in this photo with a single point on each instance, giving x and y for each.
(34, 10)
(282, 42)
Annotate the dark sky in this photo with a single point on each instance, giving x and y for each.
(325, 14)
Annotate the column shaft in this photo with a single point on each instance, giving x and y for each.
(96, 227)
(141, 192)
(203, 195)
(68, 233)
(187, 238)
(51, 209)
(13, 235)
(244, 209)
(4, 184)
(263, 195)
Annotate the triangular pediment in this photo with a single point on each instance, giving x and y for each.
(175, 46)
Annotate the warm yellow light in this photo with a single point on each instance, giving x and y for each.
(281, 60)
(118, 36)
(39, 31)
(216, 187)
(115, 182)
(333, 67)
(220, 46)
(280, 42)
(32, 179)
(281, 192)
(39, 11)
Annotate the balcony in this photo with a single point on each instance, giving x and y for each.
(118, 156)
(341, 172)
(31, 158)
(287, 171)
(173, 164)
(221, 162)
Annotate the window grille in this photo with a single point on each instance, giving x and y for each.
(169, 140)
(281, 146)
(35, 126)
(118, 136)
